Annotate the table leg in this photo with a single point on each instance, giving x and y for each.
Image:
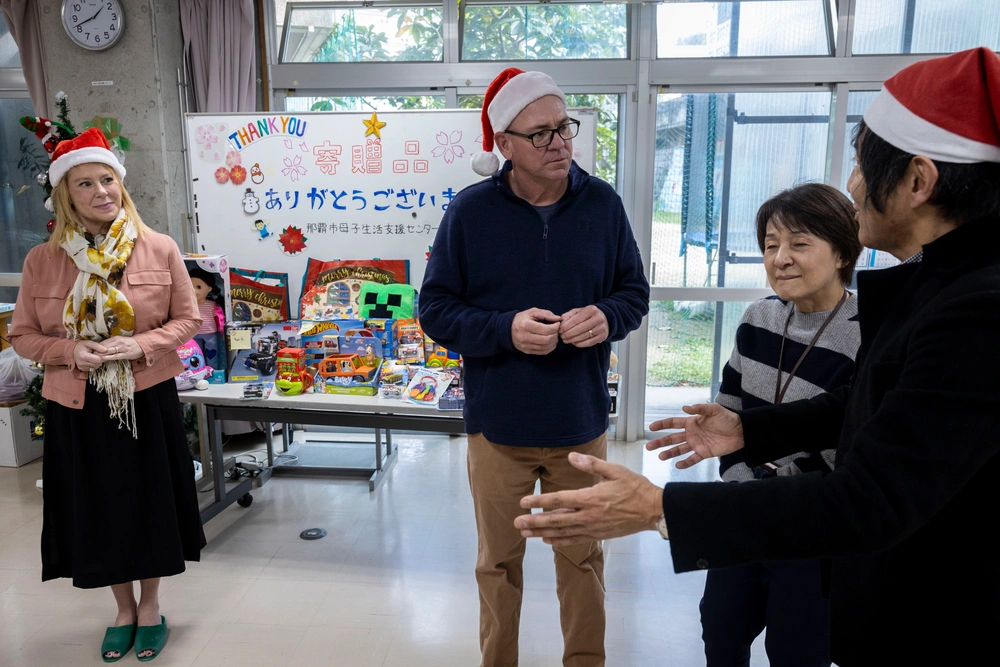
(286, 437)
(378, 450)
(269, 441)
(218, 469)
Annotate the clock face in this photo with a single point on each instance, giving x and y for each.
(92, 24)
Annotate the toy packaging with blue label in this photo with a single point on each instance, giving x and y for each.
(253, 349)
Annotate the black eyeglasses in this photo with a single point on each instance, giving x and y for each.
(543, 138)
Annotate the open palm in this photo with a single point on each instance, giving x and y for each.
(711, 431)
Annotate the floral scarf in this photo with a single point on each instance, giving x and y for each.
(96, 310)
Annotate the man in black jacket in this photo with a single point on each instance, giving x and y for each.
(907, 517)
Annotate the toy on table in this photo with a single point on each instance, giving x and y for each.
(425, 388)
(346, 368)
(393, 379)
(196, 372)
(293, 377)
(264, 359)
(213, 317)
(441, 357)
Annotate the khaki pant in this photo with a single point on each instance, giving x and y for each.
(500, 476)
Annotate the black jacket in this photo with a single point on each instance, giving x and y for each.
(909, 517)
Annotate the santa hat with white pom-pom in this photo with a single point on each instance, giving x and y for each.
(507, 95)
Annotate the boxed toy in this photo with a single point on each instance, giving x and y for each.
(253, 349)
(321, 339)
(613, 381)
(453, 398)
(411, 343)
(348, 373)
(386, 331)
(393, 380)
(218, 267)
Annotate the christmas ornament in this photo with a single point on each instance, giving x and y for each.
(39, 431)
(50, 225)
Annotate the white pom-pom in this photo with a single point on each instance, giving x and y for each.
(201, 385)
(485, 164)
(48, 205)
(48, 123)
(60, 96)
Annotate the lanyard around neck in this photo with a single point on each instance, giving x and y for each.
(779, 390)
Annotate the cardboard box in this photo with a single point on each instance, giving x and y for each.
(253, 349)
(18, 443)
(321, 339)
(219, 266)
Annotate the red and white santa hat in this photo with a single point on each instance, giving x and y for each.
(506, 96)
(87, 147)
(947, 109)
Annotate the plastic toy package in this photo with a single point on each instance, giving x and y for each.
(393, 380)
(426, 387)
(195, 367)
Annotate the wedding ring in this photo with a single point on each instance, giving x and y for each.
(116, 347)
(591, 333)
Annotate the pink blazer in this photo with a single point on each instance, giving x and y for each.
(155, 283)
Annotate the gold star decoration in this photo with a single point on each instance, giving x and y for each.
(374, 126)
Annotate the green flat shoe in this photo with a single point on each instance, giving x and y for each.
(117, 642)
(150, 640)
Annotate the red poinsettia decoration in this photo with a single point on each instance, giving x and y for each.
(292, 241)
(238, 174)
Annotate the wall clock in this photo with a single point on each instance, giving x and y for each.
(92, 24)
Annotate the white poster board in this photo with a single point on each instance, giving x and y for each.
(334, 185)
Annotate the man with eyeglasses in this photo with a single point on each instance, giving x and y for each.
(532, 276)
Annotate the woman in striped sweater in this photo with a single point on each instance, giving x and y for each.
(789, 347)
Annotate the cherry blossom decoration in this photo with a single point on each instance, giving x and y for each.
(448, 146)
(293, 168)
(209, 142)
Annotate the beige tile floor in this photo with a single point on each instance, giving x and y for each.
(392, 584)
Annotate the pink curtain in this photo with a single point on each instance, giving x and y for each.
(220, 44)
(22, 21)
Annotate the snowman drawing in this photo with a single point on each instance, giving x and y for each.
(250, 202)
(256, 175)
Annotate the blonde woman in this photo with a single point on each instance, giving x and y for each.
(103, 305)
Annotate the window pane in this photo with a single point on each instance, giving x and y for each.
(688, 344)
(22, 212)
(9, 55)
(718, 158)
(364, 103)
(729, 29)
(925, 26)
(607, 127)
(368, 34)
(544, 32)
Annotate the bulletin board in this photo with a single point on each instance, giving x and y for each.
(271, 190)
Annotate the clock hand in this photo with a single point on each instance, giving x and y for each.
(92, 17)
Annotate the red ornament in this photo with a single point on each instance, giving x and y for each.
(221, 175)
(238, 174)
(50, 225)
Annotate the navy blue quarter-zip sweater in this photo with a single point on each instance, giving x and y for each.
(494, 257)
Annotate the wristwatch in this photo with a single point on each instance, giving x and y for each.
(661, 526)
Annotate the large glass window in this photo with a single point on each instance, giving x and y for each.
(22, 212)
(9, 55)
(365, 103)
(730, 29)
(718, 157)
(607, 127)
(925, 26)
(544, 31)
(688, 344)
(360, 34)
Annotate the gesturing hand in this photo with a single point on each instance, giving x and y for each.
(712, 431)
(584, 327)
(122, 347)
(87, 355)
(535, 331)
(622, 503)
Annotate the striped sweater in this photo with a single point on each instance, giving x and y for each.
(749, 378)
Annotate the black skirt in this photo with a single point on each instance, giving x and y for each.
(117, 508)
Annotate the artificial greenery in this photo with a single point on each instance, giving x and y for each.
(36, 404)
